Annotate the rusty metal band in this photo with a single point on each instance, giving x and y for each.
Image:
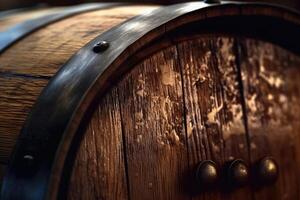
(36, 151)
(19, 31)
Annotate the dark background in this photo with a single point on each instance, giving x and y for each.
(11, 4)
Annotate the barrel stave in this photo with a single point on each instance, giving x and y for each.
(17, 95)
(272, 94)
(102, 148)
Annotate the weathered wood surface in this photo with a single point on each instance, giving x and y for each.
(100, 169)
(178, 107)
(214, 116)
(272, 93)
(184, 104)
(17, 95)
(26, 67)
(152, 109)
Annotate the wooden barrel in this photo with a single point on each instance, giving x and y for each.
(117, 101)
(10, 4)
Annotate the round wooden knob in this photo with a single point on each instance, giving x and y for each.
(267, 170)
(238, 173)
(207, 173)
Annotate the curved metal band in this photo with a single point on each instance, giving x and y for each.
(68, 94)
(19, 31)
(7, 13)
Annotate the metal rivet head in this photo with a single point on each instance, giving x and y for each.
(207, 173)
(28, 160)
(267, 170)
(101, 46)
(238, 173)
(212, 1)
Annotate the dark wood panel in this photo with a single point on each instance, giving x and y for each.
(272, 90)
(99, 170)
(153, 120)
(17, 96)
(214, 116)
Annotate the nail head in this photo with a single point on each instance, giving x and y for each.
(268, 170)
(207, 173)
(238, 173)
(101, 46)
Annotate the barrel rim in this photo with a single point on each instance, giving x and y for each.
(47, 134)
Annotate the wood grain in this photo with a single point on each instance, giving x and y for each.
(152, 115)
(99, 170)
(272, 92)
(214, 116)
(17, 95)
(45, 51)
(36, 58)
(172, 119)
(176, 108)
